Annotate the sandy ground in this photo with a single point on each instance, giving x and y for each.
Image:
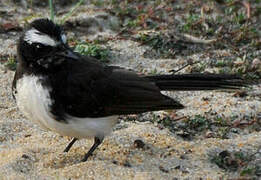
(28, 152)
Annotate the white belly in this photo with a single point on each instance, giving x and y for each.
(34, 102)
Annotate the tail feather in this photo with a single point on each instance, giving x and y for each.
(197, 82)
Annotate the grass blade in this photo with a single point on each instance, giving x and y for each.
(66, 16)
(51, 10)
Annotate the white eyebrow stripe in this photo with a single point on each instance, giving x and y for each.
(34, 36)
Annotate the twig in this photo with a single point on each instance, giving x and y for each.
(197, 40)
(248, 8)
(180, 118)
(190, 63)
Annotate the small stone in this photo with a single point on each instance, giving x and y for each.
(240, 94)
(209, 134)
(256, 63)
(183, 156)
(27, 135)
(177, 167)
(224, 154)
(139, 144)
(127, 164)
(25, 156)
(115, 162)
(163, 169)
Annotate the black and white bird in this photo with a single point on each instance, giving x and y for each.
(77, 96)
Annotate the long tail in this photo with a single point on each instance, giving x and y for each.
(197, 82)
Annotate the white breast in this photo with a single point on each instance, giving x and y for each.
(34, 101)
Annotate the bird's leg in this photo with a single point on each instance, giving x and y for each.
(68, 147)
(97, 142)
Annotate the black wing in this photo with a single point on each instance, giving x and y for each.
(93, 90)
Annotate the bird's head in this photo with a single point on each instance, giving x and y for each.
(43, 44)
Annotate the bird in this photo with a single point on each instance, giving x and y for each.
(80, 97)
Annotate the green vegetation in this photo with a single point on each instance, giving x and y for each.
(244, 162)
(67, 15)
(233, 30)
(93, 50)
(51, 10)
(162, 45)
(198, 123)
(190, 21)
(11, 63)
(73, 9)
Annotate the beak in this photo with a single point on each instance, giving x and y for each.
(68, 53)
